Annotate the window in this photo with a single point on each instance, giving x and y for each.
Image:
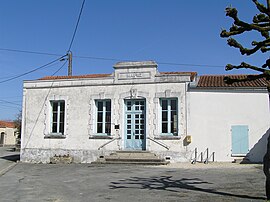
(58, 117)
(169, 118)
(103, 117)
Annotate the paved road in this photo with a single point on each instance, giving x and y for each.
(8, 159)
(85, 182)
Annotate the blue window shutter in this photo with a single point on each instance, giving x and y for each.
(240, 142)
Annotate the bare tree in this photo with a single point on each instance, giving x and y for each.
(261, 25)
(18, 125)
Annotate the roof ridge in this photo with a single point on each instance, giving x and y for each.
(75, 76)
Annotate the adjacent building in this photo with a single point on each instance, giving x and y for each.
(177, 115)
(8, 133)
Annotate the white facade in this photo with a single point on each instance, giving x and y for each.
(212, 113)
(68, 116)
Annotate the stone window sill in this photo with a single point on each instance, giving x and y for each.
(167, 137)
(54, 136)
(100, 137)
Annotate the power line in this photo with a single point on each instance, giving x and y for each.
(111, 59)
(31, 52)
(2, 105)
(77, 24)
(7, 77)
(8, 102)
(23, 74)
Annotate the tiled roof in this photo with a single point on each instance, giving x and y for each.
(214, 81)
(76, 77)
(192, 74)
(7, 124)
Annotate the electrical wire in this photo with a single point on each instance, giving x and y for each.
(2, 105)
(36, 69)
(6, 77)
(111, 59)
(31, 52)
(77, 24)
(8, 102)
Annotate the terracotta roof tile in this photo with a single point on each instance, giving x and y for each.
(76, 77)
(214, 81)
(192, 74)
(7, 124)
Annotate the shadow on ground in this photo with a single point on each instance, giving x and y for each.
(14, 158)
(165, 183)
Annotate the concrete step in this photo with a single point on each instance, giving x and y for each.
(132, 157)
(132, 162)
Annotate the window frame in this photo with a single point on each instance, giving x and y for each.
(168, 121)
(104, 121)
(59, 131)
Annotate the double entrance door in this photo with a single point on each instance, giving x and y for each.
(135, 125)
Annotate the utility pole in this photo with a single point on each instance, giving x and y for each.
(69, 63)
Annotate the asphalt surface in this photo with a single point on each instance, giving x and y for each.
(86, 182)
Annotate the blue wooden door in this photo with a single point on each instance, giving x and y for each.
(135, 125)
(240, 143)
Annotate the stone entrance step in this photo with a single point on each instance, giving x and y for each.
(131, 157)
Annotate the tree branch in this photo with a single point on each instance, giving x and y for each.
(261, 18)
(232, 12)
(261, 7)
(245, 51)
(244, 65)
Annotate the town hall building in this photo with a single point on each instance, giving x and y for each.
(179, 116)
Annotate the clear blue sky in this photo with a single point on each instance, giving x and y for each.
(167, 31)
